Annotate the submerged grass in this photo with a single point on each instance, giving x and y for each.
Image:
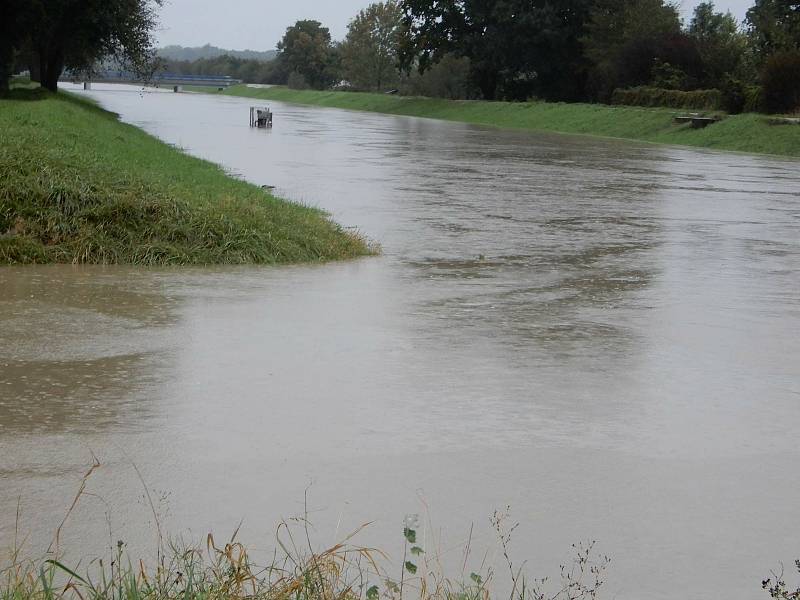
(744, 133)
(79, 186)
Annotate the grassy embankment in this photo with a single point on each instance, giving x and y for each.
(744, 133)
(77, 185)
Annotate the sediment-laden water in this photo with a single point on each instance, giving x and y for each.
(603, 335)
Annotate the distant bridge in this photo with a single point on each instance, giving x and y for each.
(165, 79)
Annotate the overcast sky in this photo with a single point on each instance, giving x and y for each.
(259, 24)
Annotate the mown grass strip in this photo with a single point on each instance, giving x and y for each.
(744, 133)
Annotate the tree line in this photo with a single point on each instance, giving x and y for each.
(556, 50)
(583, 50)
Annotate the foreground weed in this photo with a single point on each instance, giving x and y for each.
(778, 588)
(296, 571)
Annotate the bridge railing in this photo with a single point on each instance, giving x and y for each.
(109, 75)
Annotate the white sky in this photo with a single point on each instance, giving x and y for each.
(259, 24)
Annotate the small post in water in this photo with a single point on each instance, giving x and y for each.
(260, 117)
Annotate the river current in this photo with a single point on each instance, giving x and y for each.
(602, 335)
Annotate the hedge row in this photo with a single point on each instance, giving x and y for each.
(738, 97)
(650, 96)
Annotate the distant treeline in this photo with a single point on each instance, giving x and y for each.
(248, 70)
(631, 51)
(185, 53)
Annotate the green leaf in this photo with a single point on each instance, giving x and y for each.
(411, 535)
(55, 563)
(411, 567)
(417, 551)
(372, 593)
(476, 578)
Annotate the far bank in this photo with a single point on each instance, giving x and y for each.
(742, 133)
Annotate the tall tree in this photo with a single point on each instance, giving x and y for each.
(516, 48)
(626, 38)
(721, 44)
(75, 34)
(774, 26)
(370, 50)
(14, 22)
(306, 49)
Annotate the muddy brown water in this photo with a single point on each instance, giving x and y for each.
(603, 335)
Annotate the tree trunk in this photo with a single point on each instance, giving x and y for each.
(486, 80)
(488, 89)
(34, 66)
(6, 65)
(52, 66)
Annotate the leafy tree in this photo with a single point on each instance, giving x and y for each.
(721, 44)
(13, 23)
(709, 25)
(626, 38)
(781, 81)
(306, 49)
(61, 34)
(774, 26)
(448, 78)
(370, 50)
(516, 48)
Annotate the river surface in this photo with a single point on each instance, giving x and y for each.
(602, 335)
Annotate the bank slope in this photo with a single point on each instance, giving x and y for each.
(743, 133)
(77, 185)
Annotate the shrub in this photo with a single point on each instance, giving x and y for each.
(734, 95)
(649, 96)
(777, 587)
(449, 78)
(667, 76)
(737, 97)
(297, 81)
(754, 99)
(781, 82)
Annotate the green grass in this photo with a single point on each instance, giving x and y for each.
(744, 133)
(79, 186)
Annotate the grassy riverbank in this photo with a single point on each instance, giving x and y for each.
(79, 186)
(744, 133)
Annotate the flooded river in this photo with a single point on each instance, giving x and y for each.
(603, 335)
